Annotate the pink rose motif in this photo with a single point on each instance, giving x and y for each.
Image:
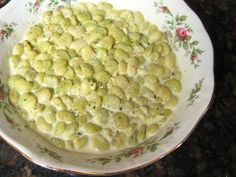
(194, 58)
(163, 9)
(2, 32)
(181, 33)
(136, 151)
(37, 4)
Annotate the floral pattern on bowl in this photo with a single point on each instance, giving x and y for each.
(6, 30)
(195, 58)
(179, 33)
(33, 6)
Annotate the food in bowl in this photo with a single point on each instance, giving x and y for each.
(93, 78)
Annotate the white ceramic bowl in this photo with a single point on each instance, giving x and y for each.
(195, 58)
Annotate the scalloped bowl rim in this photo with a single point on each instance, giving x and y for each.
(167, 145)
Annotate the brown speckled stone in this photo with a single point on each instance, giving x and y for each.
(2, 2)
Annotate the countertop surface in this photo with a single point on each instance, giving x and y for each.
(211, 149)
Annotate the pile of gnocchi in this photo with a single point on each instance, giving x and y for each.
(92, 78)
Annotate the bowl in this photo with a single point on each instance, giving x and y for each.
(193, 48)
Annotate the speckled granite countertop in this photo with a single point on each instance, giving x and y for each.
(211, 150)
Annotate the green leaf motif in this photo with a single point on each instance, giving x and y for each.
(153, 148)
(185, 45)
(183, 18)
(177, 18)
(53, 3)
(195, 43)
(199, 51)
(188, 38)
(49, 152)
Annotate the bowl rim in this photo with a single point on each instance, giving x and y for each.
(118, 172)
